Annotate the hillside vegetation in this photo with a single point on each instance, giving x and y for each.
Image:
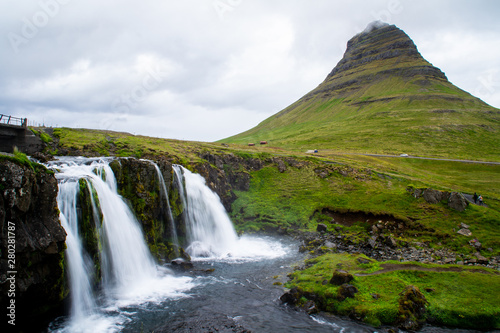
(384, 97)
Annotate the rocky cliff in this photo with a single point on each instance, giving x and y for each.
(32, 240)
(139, 183)
(379, 52)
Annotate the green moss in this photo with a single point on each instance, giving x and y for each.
(90, 223)
(446, 291)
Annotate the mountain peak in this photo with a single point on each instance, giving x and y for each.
(381, 97)
(377, 43)
(374, 25)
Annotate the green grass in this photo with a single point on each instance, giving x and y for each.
(21, 158)
(383, 113)
(294, 198)
(467, 299)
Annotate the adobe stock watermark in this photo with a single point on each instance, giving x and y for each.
(487, 84)
(127, 102)
(32, 25)
(394, 7)
(224, 6)
(11, 273)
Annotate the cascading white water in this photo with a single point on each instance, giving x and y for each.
(79, 264)
(164, 194)
(210, 231)
(129, 273)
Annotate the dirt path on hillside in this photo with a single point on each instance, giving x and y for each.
(412, 267)
(470, 199)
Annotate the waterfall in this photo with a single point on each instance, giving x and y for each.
(164, 195)
(79, 264)
(210, 232)
(129, 273)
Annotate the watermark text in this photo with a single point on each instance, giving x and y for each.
(11, 273)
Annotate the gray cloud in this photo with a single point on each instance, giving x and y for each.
(204, 70)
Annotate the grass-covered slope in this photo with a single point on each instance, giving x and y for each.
(384, 97)
(456, 296)
(298, 198)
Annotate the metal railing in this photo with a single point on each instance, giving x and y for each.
(14, 121)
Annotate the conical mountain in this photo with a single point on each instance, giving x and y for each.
(384, 97)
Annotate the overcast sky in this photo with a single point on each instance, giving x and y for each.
(207, 69)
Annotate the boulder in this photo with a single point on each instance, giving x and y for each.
(321, 228)
(311, 308)
(291, 297)
(182, 264)
(457, 201)
(345, 291)
(433, 196)
(481, 259)
(391, 242)
(464, 232)
(330, 245)
(340, 277)
(412, 308)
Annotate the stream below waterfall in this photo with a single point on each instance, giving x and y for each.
(223, 292)
(234, 285)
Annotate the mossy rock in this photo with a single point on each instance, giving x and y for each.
(412, 308)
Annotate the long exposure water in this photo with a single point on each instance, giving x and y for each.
(234, 279)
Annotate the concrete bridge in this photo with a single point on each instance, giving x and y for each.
(14, 132)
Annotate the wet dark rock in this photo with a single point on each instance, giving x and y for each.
(138, 182)
(291, 297)
(310, 307)
(28, 209)
(340, 277)
(182, 264)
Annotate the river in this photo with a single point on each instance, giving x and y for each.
(225, 293)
